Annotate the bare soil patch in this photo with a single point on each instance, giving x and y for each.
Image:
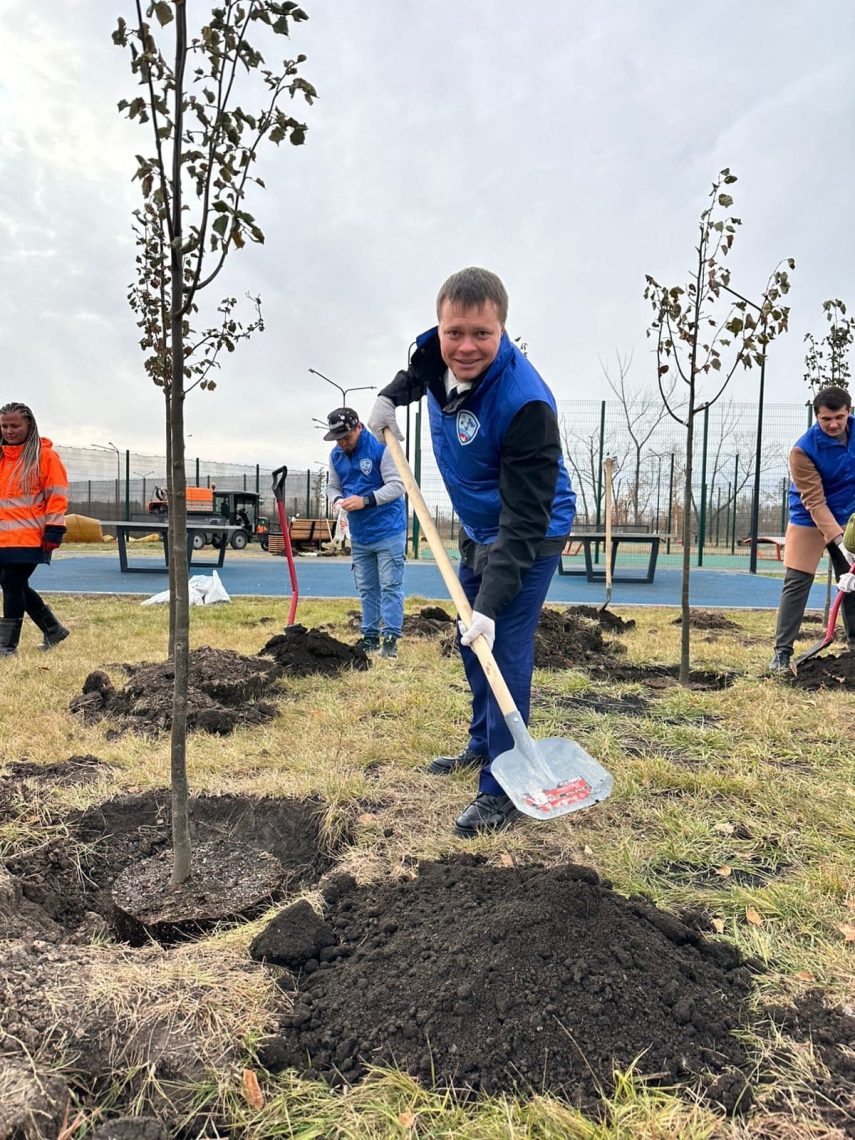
(301, 652)
(606, 704)
(430, 621)
(70, 877)
(665, 676)
(517, 979)
(827, 671)
(568, 639)
(223, 692)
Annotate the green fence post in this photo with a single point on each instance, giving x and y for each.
(784, 496)
(702, 513)
(735, 495)
(670, 505)
(257, 479)
(198, 484)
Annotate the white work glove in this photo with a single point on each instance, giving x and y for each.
(482, 625)
(847, 554)
(846, 583)
(382, 415)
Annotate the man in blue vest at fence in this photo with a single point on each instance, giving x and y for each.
(364, 482)
(497, 444)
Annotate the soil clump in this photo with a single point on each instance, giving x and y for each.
(223, 692)
(301, 652)
(612, 622)
(495, 979)
(829, 671)
(707, 619)
(568, 639)
(430, 621)
(69, 878)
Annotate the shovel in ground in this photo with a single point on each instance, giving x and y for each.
(608, 546)
(826, 638)
(544, 778)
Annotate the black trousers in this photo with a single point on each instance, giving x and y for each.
(794, 596)
(18, 597)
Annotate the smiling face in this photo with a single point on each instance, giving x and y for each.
(14, 428)
(833, 422)
(469, 338)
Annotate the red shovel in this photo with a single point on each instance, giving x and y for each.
(279, 477)
(826, 638)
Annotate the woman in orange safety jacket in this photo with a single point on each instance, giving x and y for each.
(33, 502)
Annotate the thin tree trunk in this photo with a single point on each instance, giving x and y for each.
(685, 609)
(178, 508)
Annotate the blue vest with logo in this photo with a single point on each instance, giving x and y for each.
(468, 445)
(836, 465)
(359, 474)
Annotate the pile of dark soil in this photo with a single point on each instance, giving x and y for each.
(835, 671)
(523, 979)
(300, 652)
(223, 693)
(566, 639)
(707, 619)
(612, 622)
(70, 878)
(430, 621)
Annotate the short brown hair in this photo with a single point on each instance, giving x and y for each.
(471, 288)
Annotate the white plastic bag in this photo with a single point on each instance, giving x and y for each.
(205, 590)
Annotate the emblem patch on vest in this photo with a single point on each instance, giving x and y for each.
(366, 466)
(467, 427)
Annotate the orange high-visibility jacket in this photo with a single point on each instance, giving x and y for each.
(30, 515)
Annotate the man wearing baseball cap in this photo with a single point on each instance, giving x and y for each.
(364, 482)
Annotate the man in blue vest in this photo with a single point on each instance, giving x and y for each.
(497, 444)
(822, 497)
(364, 482)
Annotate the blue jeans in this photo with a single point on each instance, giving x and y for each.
(378, 568)
(514, 652)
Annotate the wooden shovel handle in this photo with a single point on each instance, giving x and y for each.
(479, 646)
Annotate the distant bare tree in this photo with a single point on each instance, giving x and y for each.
(826, 361)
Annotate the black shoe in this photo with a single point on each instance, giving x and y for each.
(368, 644)
(445, 765)
(780, 663)
(485, 813)
(389, 648)
(50, 625)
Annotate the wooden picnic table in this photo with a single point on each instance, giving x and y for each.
(125, 530)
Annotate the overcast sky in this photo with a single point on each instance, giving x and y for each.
(570, 147)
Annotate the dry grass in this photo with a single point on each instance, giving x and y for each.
(738, 802)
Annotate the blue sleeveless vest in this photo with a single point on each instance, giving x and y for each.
(467, 445)
(836, 465)
(358, 474)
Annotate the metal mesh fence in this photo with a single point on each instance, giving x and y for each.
(120, 484)
(648, 448)
(649, 452)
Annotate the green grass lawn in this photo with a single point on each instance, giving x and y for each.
(739, 802)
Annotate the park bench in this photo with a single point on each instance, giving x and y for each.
(584, 543)
(304, 533)
(776, 540)
(128, 530)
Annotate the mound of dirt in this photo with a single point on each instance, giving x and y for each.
(612, 622)
(69, 879)
(300, 652)
(430, 621)
(566, 639)
(223, 693)
(497, 979)
(836, 671)
(707, 619)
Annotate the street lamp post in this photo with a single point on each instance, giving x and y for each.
(143, 475)
(344, 391)
(755, 501)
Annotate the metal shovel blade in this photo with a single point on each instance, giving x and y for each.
(826, 638)
(549, 778)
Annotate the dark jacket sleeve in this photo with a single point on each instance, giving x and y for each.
(426, 371)
(528, 475)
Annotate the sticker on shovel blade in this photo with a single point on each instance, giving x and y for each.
(569, 792)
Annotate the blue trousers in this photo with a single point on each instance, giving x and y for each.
(378, 568)
(514, 652)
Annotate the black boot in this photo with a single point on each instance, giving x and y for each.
(467, 759)
(10, 633)
(486, 813)
(51, 627)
